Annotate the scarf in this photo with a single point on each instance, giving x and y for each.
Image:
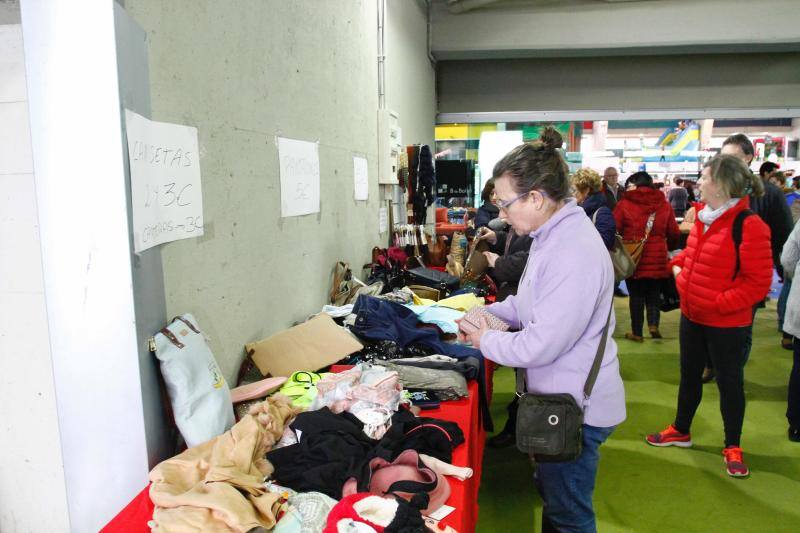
(707, 215)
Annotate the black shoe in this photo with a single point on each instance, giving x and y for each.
(502, 440)
(794, 434)
(618, 292)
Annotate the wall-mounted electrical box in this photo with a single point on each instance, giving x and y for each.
(390, 143)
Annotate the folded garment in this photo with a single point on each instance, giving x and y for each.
(461, 302)
(448, 384)
(443, 317)
(469, 367)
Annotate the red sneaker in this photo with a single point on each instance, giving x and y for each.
(735, 462)
(670, 437)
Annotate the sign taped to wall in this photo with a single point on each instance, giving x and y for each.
(360, 178)
(166, 192)
(299, 171)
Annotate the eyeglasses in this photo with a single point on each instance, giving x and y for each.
(505, 205)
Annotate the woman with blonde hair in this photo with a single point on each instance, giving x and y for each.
(725, 269)
(588, 187)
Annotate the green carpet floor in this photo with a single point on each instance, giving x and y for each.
(642, 488)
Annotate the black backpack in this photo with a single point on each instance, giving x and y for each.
(738, 222)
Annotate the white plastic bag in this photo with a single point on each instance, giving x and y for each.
(200, 397)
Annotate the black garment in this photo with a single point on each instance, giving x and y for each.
(644, 293)
(331, 449)
(511, 423)
(485, 213)
(429, 436)
(726, 348)
(793, 404)
(773, 209)
(385, 350)
(513, 251)
(678, 198)
(423, 181)
(612, 197)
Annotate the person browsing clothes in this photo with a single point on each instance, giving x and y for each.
(560, 311)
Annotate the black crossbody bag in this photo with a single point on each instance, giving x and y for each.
(549, 426)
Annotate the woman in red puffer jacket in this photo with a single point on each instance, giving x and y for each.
(717, 299)
(632, 214)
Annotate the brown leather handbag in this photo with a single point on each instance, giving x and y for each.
(635, 248)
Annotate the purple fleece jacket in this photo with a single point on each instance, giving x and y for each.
(560, 310)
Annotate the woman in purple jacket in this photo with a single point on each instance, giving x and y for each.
(559, 313)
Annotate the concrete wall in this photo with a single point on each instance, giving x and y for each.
(620, 83)
(243, 73)
(9, 12)
(410, 87)
(32, 490)
(589, 27)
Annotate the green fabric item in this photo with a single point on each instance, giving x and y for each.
(301, 388)
(643, 488)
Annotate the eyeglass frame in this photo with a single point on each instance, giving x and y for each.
(505, 205)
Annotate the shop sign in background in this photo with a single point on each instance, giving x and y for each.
(165, 181)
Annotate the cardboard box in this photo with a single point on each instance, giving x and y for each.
(309, 346)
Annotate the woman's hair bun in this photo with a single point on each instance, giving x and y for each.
(551, 139)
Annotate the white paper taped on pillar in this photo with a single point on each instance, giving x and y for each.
(166, 191)
(299, 171)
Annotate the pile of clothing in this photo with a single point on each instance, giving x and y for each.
(336, 451)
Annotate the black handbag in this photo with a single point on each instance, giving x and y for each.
(432, 278)
(669, 300)
(549, 426)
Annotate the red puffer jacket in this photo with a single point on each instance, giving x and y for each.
(631, 215)
(709, 294)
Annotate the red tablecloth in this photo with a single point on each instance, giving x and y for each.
(464, 494)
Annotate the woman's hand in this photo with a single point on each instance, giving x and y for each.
(491, 258)
(485, 234)
(676, 270)
(474, 336)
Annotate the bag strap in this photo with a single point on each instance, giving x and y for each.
(649, 227)
(189, 324)
(598, 358)
(738, 223)
(595, 370)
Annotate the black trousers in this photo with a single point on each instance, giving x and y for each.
(726, 349)
(793, 408)
(644, 293)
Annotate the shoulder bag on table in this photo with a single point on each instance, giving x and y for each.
(549, 426)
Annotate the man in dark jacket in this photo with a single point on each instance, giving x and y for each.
(772, 208)
(611, 187)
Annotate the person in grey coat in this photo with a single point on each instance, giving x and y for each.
(790, 260)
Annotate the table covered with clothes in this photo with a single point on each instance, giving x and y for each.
(391, 438)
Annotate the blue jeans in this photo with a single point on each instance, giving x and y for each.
(566, 488)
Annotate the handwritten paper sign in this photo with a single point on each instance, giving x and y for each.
(360, 178)
(165, 181)
(299, 171)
